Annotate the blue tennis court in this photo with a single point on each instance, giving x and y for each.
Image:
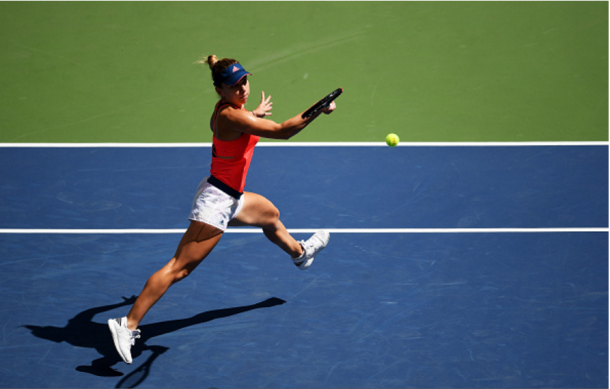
(448, 266)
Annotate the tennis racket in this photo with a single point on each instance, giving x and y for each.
(323, 103)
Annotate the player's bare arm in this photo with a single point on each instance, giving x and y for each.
(232, 120)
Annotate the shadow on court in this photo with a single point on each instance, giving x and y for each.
(82, 331)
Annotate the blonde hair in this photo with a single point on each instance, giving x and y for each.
(216, 66)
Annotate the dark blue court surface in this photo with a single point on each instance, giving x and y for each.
(328, 187)
(515, 310)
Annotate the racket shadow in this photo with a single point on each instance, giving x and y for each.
(157, 329)
(81, 331)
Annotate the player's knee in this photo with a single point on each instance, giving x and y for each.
(177, 273)
(274, 214)
(180, 275)
(271, 219)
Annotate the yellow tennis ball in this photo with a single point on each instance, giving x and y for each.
(392, 140)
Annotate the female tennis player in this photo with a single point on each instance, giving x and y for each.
(220, 199)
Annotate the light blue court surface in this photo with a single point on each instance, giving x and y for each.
(376, 310)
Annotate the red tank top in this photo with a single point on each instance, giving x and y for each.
(231, 159)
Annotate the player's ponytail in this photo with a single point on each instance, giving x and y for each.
(217, 66)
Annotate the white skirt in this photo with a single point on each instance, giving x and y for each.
(214, 207)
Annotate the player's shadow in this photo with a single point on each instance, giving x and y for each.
(82, 331)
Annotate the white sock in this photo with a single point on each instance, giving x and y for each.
(300, 256)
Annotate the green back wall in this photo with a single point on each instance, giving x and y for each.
(429, 71)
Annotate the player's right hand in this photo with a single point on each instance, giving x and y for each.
(328, 110)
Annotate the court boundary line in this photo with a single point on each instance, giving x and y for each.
(303, 144)
(247, 230)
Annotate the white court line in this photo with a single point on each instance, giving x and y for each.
(303, 144)
(312, 230)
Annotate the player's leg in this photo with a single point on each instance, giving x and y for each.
(197, 242)
(258, 211)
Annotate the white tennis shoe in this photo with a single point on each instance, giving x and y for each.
(123, 337)
(311, 248)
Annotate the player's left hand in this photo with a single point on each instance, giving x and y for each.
(264, 108)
